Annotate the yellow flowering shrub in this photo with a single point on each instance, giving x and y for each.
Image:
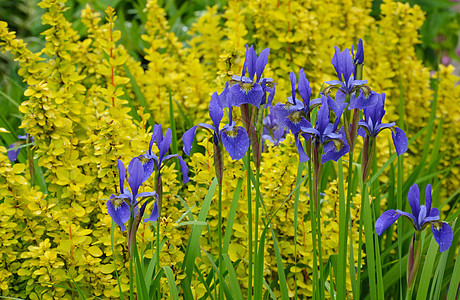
(77, 110)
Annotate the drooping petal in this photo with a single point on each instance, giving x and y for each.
(385, 221)
(262, 62)
(414, 196)
(247, 92)
(428, 198)
(303, 157)
(334, 150)
(215, 110)
(136, 176)
(381, 127)
(304, 88)
(13, 154)
(443, 235)
(400, 140)
(235, 140)
(409, 216)
(182, 164)
(147, 194)
(120, 214)
(154, 214)
(149, 166)
(364, 101)
(188, 138)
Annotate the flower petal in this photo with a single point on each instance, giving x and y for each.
(136, 175)
(235, 140)
(303, 157)
(147, 194)
(293, 82)
(428, 198)
(385, 221)
(359, 59)
(120, 215)
(304, 88)
(400, 140)
(215, 110)
(163, 147)
(243, 93)
(443, 235)
(121, 174)
(154, 214)
(261, 62)
(148, 169)
(182, 164)
(188, 138)
(13, 154)
(414, 196)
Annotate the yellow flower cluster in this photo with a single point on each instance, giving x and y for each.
(77, 110)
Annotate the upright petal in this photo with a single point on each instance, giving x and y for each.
(251, 55)
(385, 221)
(188, 138)
(235, 140)
(414, 196)
(120, 214)
(163, 147)
(304, 88)
(262, 62)
(400, 140)
(322, 118)
(182, 164)
(136, 176)
(121, 174)
(215, 110)
(359, 59)
(293, 82)
(443, 235)
(156, 129)
(428, 198)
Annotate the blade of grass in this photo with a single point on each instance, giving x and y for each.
(233, 278)
(112, 239)
(427, 271)
(231, 216)
(171, 283)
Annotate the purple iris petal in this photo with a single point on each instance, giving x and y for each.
(304, 88)
(136, 176)
(154, 214)
(359, 59)
(428, 198)
(182, 164)
(251, 58)
(13, 154)
(149, 166)
(235, 140)
(364, 101)
(303, 157)
(215, 110)
(400, 140)
(322, 118)
(188, 138)
(120, 214)
(293, 82)
(147, 194)
(261, 62)
(413, 196)
(334, 149)
(246, 92)
(443, 235)
(409, 216)
(163, 147)
(377, 128)
(343, 63)
(385, 221)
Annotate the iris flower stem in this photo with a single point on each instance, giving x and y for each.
(248, 182)
(296, 212)
(131, 272)
(220, 264)
(313, 236)
(316, 236)
(160, 201)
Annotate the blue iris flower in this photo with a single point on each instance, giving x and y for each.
(372, 125)
(119, 206)
(272, 131)
(14, 153)
(234, 138)
(344, 64)
(150, 161)
(421, 217)
(324, 133)
(290, 113)
(247, 89)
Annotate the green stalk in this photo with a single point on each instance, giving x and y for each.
(220, 264)
(343, 234)
(159, 190)
(248, 182)
(131, 273)
(313, 234)
(316, 235)
(399, 228)
(296, 211)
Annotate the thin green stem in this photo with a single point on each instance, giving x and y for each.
(220, 262)
(296, 211)
(250, 248)
(131, 272)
